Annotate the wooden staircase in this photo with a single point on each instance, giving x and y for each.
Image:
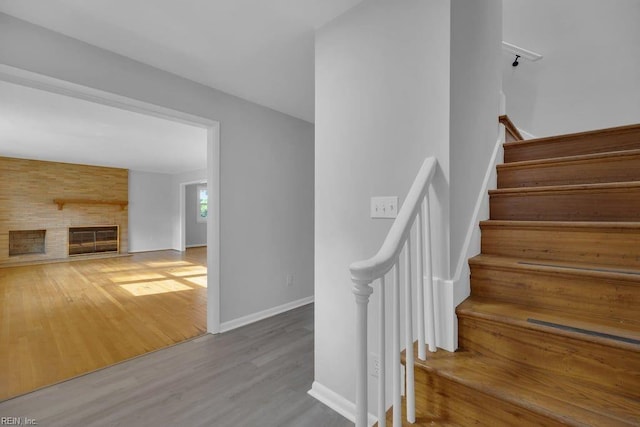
(551, 332)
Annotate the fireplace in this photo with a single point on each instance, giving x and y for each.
(94, 239)
(26, 242)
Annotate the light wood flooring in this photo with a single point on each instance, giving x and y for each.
(60, 320)
(257, 375)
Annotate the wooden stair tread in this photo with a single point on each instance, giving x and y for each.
(570, 159)
(420, 421)
(600, 330)
(562, 399)
(614, 166)
(575, 268)
(609, 292)
(577, 135)
(611, 201)
(580, 158)
(620, 138)
(598, 187)
(607, 245)
(606, 225)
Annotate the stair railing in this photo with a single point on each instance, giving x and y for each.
(415, 210)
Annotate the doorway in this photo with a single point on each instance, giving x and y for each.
(36, 81)
(194, 214)
(39, 81)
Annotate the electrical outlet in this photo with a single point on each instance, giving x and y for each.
(374, 362)
(384, 207)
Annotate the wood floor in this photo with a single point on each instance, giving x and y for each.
(257, 375)
(64, 319)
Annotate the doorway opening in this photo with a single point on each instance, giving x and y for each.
(194, 214)
(156, 274)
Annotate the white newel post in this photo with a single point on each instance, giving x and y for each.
(362, 291)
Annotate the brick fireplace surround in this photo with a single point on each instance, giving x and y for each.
(27, 192)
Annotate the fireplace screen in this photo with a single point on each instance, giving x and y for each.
(89, 240)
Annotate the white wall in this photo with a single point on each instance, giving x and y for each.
(382, 106)
(154, 211)
(476, 81)
(150, 211)
(195, 231)
(396, 82)
(266, 163)
(588, 77)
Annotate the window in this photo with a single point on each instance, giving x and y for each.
(202, 198)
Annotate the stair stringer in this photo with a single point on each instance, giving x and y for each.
(460, 285)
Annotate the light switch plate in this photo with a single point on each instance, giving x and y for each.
(384, 207)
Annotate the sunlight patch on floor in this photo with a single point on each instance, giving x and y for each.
(154, 287)
(118, 268)
(197, 280)
(167, 264)
(188, 271)
(132, 277)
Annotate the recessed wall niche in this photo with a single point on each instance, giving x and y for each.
(27, 197)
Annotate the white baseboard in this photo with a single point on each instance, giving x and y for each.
(526, 135)
(471, 245)
(254, 317)
(140, 251)
(338, 403)
(445, 313)
(454, 291)
(201, 245)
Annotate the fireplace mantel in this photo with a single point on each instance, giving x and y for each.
(61, 202)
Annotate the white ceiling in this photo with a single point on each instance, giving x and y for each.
(40, 125)
(259, 50)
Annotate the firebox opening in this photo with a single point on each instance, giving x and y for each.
(26, 242)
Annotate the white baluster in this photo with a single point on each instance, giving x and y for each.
(422, 354)
(429, 291)
(397, 399)
(364, 272)
(411, 397)
(382, 420)
(362, 291)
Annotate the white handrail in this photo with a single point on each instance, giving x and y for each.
(364, 273)
(375, 267)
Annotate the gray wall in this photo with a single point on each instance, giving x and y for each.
(195, 232)
(476, 80)
(397, 82)
(150, 219)
(266, 163)
(382, 106)
(588, 76)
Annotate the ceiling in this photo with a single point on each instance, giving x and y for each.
(40, 125)
(259, 50)
(262, 51)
